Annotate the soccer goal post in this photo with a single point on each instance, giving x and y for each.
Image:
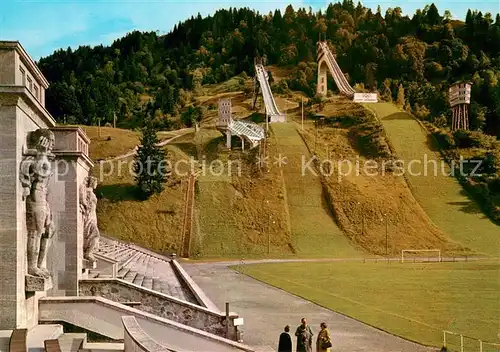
(404, 251)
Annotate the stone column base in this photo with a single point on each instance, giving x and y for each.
(37, 284)
(87, 264)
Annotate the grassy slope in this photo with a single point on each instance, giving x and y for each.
(314, 232)
(216, 226)
(233, 217)
(360, 201)
(415, 301)
(111, 143)
(442, 197)
(155, 223)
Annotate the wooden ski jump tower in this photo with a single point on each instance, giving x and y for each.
(459, 97)
(225, 119)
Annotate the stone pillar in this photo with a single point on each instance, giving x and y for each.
(72, 166)
(12, 244)
(20, 114)
(228, 139)
(18, 117)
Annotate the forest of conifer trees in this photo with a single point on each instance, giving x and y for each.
(421, 54)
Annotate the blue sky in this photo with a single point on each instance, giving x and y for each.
(43, 26)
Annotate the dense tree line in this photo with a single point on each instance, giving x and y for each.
(411, 60)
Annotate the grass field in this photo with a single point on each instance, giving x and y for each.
(314, 231)
(112, 141)
(441, 196)
(414, 300)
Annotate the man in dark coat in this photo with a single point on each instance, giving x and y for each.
(285, 344)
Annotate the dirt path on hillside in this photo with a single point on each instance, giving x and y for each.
(132, 152)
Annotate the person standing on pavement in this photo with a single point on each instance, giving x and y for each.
(324, 340)
(304, 337)
(285, 343)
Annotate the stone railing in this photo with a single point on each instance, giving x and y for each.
(82, 145)
(197, 292)
(162, 305)
(106, 265)
(136, 340)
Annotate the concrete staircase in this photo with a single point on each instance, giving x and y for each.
(144, 269)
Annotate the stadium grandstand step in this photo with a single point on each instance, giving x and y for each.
(148, 282)
(157, 284)
(139, 278)
(144, 268)
(122, 272)
(130, 277)
(132, 258)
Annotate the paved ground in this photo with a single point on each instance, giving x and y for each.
(266, 310)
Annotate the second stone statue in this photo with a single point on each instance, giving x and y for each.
(88, 206)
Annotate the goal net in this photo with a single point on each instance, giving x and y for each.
(420, 255)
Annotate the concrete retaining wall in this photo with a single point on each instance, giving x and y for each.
(105, 316)
(161, 305)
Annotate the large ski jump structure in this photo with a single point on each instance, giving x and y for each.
(326, 59)
(262, 78)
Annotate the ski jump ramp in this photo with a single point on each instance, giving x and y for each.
(272, 111)
(326, 60)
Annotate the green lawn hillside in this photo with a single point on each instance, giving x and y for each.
(314, 231)
(108, 142)
(375, 208)
(442, 197)
(155, 223)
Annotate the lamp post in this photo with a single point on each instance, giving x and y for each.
(362, 220)
(386, 235)
(268, 229)
(315, 135)
(302, 100)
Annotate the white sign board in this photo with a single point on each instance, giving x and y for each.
(365, 97)
(238, 322)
